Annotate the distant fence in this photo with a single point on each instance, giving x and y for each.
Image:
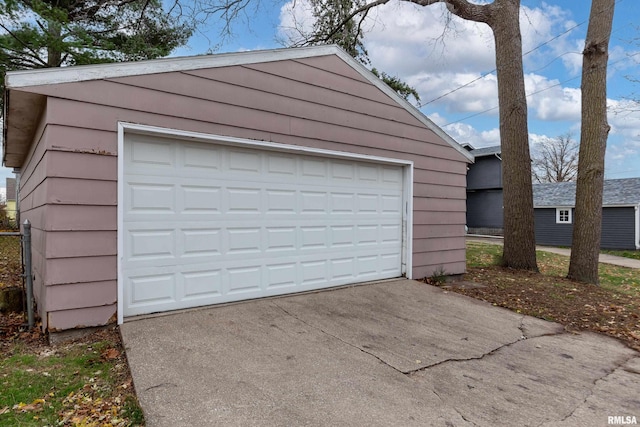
(15, 267)
(11, 263)
(8, 219)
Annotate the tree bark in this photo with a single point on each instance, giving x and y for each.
(587, 229)
(519, 232)
(503, 16)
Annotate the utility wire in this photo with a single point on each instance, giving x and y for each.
(483, 75)
(541, 90)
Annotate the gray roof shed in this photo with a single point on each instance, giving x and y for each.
(486, 151)
(616, 192)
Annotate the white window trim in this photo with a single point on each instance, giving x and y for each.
(558, 221)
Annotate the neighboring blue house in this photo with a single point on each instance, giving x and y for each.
(484, 191)
(554, 213)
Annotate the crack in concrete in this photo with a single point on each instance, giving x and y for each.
(454, 408)
(336, 337)
(160, 385)
(490, 353)
(521, 327)
(524, 336)
(619, 365)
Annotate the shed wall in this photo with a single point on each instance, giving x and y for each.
(548, 232)
(618, 228)
(484, 209)
(317, 102)
(485, 173)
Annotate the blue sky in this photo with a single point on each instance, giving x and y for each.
(411, 42)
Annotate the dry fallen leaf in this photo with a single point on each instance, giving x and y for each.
(110, 354)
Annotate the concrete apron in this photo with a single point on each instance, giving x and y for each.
(397, 353)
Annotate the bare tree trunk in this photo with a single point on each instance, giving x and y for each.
(519, 233)
(585, 249)
(503, 16)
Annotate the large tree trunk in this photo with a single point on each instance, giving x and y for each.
(503, 16)
(519, 233)
(585, 249)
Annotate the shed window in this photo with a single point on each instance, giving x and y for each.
(563, 216)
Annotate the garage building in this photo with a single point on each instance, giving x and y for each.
(168, 184)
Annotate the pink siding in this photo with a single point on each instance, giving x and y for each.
(35, 214)
(69, 244)
(81, 317)
(79, 218)
(70, 188)
(80, 269)
(73, 296)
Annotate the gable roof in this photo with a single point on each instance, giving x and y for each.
(624, 191)
(486, 151)
(28, 106)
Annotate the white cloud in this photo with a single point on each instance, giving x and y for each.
(479, 96)
(624, 118)
(550, 101)
(437, 53)
(467, 134)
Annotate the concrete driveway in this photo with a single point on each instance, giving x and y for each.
(394, 353)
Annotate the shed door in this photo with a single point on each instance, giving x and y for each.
(206, 223)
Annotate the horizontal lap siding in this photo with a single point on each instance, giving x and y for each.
(484, 209)
(618, 228)
(319, 103)
(550, 233)
(32, 177)
(72, 194)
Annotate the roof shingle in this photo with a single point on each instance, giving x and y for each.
(624, 191)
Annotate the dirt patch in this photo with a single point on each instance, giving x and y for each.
(576, 306)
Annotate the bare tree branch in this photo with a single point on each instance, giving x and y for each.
(555, 160)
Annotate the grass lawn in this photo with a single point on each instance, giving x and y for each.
(84, 383)
(612, 308)
(626, 254)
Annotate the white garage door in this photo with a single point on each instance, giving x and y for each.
(206, 223)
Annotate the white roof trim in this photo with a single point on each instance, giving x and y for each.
(407, 105)
(26, 78)
(79, 73)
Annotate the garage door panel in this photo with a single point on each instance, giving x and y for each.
(151, 288)
(244, 161)
(152, 244)
(166, 242)
(200, 199)
(201, 242)
(202, 284)
(201, 160)
(216, 224)
(197, 286)
(151, 198)
(244, 279)
(151, 152)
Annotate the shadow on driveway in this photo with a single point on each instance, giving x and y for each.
(394, 353)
